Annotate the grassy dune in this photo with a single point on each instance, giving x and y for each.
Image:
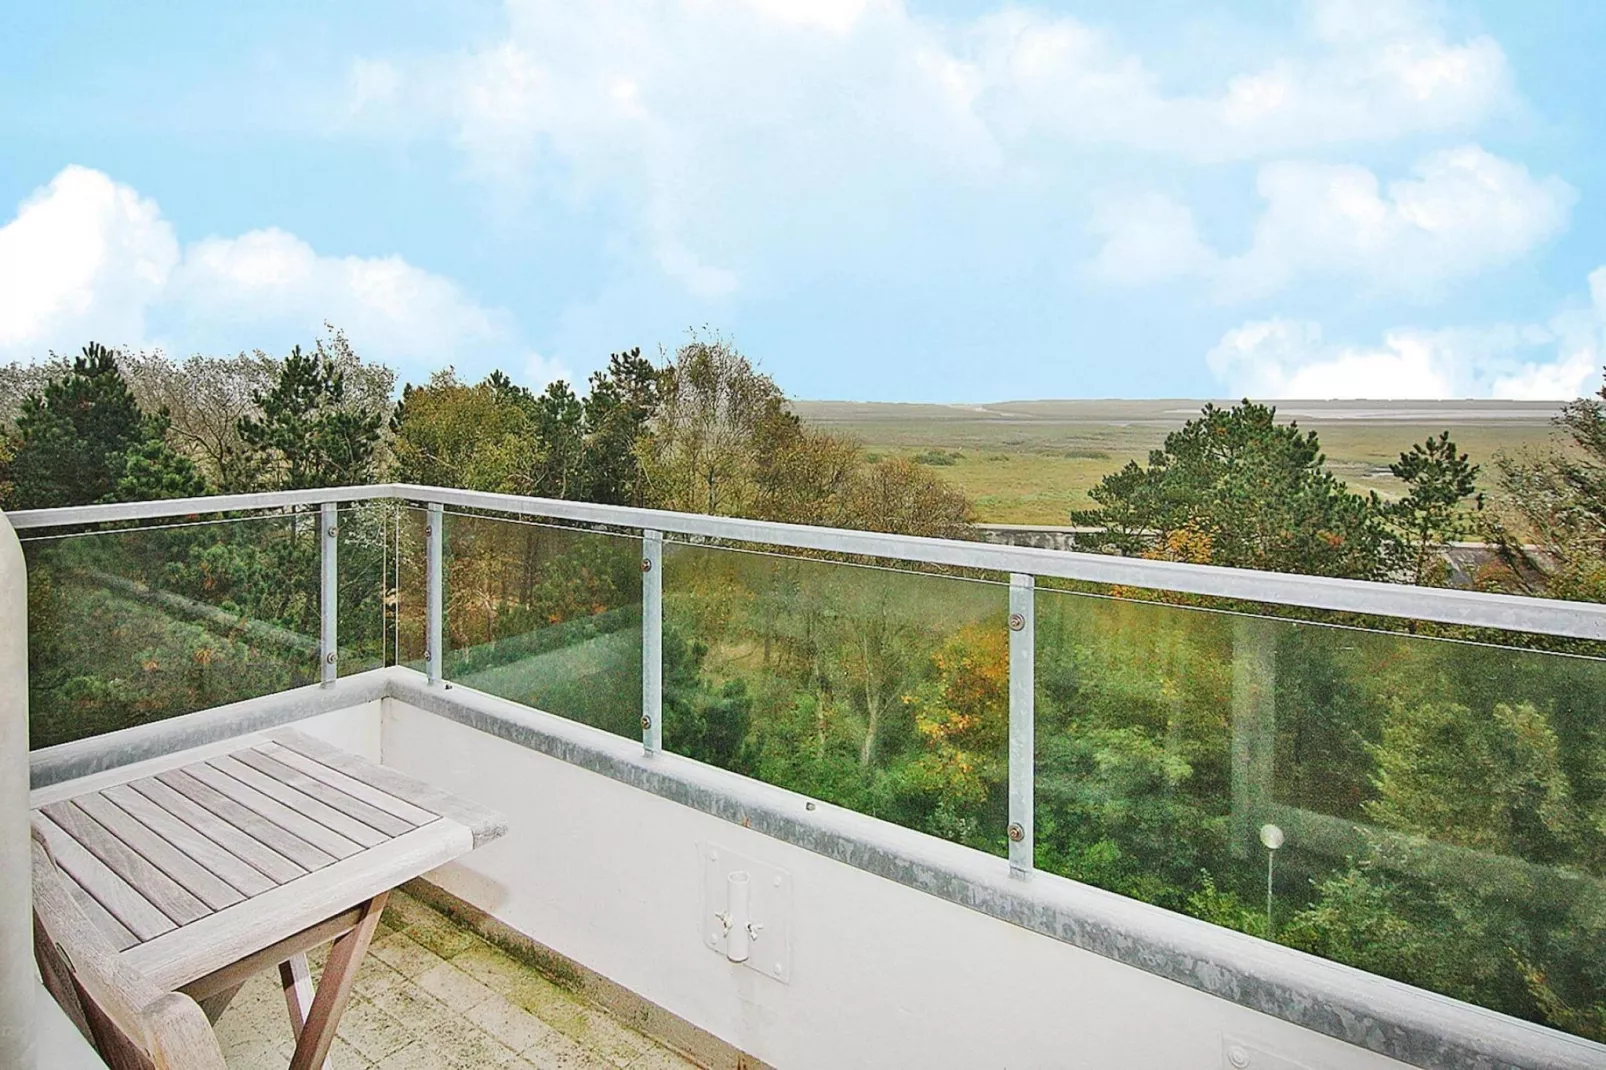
(1031, 462)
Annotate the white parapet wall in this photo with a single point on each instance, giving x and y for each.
(873, 945)
(879, 974)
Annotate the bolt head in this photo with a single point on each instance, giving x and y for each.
(330, 657)
(1016, 832)
(1017, 621)
(1238, 1057)
(646, 564)
(646, 724)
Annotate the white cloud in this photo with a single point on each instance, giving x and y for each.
(1371, 70)
(540, 371)
(722, 129)
(89, 258)
(1148, 238)
(1281, 358)
(391, 308)
(84, 256)
(1460, 212)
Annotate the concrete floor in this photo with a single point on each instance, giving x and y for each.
(432, 996)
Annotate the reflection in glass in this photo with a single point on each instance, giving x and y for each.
(1439, 803)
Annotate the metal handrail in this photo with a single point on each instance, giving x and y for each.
(1578, 620)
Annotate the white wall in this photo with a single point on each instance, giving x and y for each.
(882, 975)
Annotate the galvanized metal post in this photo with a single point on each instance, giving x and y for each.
(652, 641)
(435, 535)
(329, 592)
(1022, 698)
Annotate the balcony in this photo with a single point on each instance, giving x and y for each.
(980, 805)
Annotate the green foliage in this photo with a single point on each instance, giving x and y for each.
(1491, 779)
(1367, 920)
(618, 408)
(1550, 531)
(446, 434)
(307, 433)
(84, 439)
(1430, 516)
(498, 436)
(1235, 487)
(707, 721)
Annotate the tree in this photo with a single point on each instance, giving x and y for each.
(704, 449)
(1550, 527)
(85, 439)
(308, 433)
(898, 495)
(1430, 516)
(724, 441)
(1235, 487)
(1491, 779)
(558, 424)
(618, 408)
(448, 434)
(205, 398)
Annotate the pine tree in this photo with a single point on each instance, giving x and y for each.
(84, 439)
(308, 435)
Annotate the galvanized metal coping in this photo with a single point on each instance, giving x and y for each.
(1579, 620)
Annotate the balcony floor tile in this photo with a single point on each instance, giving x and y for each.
(433, 996)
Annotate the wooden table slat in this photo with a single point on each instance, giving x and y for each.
(230, 868)
(305, 828)
(256, 826)
(354, 808)
(186, 954)
(162, 891)
(125, 904)
(483, 823)
(179, 867)
(303, 803)
(114, 931)
(357, 789)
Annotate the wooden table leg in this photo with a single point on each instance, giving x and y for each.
(296, 977)
(334, 988)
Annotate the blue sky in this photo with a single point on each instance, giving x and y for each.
(876, 199)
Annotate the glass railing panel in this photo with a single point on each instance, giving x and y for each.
(546, 616)
(132, 626)
(883, 691)
(1435, 807)
(409, 626)
(364, 534)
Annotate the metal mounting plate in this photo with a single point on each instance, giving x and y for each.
(770, 908)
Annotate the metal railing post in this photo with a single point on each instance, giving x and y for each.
(435, 534)
(329, 593)
(652, 641)
(1022, 700)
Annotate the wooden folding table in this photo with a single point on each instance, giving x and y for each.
(202, 874)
